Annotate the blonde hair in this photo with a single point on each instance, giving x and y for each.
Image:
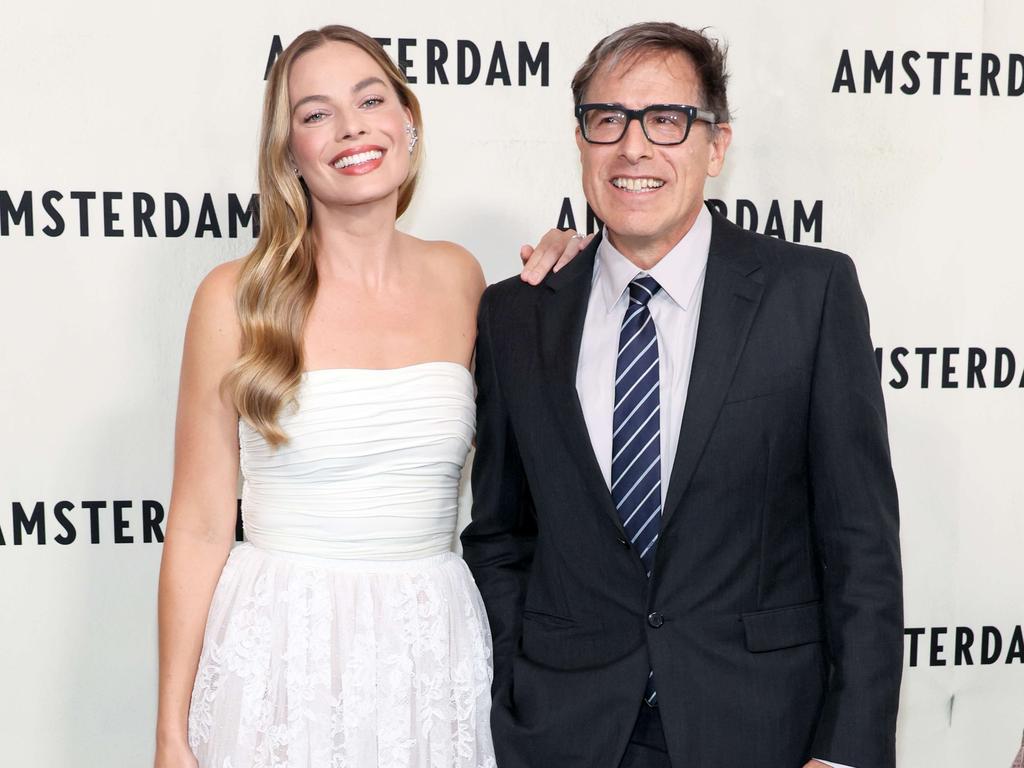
(278, 279)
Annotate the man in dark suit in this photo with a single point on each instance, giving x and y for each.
(685, 523)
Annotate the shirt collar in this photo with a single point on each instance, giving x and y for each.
(677, 273)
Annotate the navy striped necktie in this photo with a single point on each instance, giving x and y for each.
(636, 430)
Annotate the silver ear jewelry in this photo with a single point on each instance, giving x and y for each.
(410, 129)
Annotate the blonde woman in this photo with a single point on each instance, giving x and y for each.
(330, 366)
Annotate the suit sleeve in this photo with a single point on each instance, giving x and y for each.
(856, 527)
(498, 543)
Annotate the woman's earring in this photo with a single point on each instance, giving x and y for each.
(410, 129)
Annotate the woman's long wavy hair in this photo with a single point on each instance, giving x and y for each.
(278, 280)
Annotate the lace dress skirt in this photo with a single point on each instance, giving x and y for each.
(312, 662)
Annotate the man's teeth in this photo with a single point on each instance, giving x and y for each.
(362, 157)
(635, 185)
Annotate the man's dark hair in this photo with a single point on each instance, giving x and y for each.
(630, 43)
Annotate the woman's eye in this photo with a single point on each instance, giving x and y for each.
(316, 117)
(373, 101)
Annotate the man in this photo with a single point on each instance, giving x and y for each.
(685, 533)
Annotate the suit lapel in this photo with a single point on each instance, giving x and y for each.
(732, 294)
(561, 323)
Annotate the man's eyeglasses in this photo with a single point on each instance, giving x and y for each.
(664, 124)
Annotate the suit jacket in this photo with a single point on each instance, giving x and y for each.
(773, 619)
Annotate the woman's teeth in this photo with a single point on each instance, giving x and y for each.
(362, 157)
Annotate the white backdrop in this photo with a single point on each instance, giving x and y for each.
(921, 188)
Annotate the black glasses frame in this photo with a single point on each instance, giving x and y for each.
(692, 114)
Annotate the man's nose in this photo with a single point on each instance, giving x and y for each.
(634, 145)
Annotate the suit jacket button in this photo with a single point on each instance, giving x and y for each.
(655, 619)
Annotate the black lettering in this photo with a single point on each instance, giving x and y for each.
(948, 369)
(908, 67)
(25, 524)
(57, 228)
(175, 214)
(566, 219)
(913, 633)
(960, 76)
(120, 537)
(594, 224)
(437, 55)
(936, 648)
(17, 214)
(207, 218)
(404, 43)
(937, 58)
(242, 217)
(152, 517)
(3, 543)
(976, 359)
(110, 216)
(531, 64)
(774, 226)
(989, 70)
(1016, 650)
(844, 74)
(94, 508)
(1015, 77)
(1006, 365)
(991, 645)
(878, 359)
(719, 206)
(743, 207)
(275, 50)
(384, 41)
(873, 71)
(60, 510)
(468, 71)
(925, 353)
(239, 525)
(803, 221)
(964, 640)
(903, 378)
(499, 67)
(143, 207)
(83, 199)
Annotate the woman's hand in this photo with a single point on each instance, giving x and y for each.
(174, 755)
(556, 249)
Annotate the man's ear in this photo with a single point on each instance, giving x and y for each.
(719, 144)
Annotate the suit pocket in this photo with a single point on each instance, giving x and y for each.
(765, 386)
(783, 627)
(548, 619)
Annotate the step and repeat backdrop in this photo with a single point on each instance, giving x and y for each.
(890, 131)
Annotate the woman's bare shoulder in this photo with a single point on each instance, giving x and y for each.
(453, 265)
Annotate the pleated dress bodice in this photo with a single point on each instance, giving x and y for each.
(371, 468)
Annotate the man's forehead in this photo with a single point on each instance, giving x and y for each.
(672, 69)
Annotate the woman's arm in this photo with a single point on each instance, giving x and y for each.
(201, 519)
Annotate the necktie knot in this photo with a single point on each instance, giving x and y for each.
(642, 289)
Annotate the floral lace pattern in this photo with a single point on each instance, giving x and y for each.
(307, 665)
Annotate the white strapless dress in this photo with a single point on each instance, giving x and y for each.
(345, 633)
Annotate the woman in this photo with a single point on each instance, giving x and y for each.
(331, 367)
